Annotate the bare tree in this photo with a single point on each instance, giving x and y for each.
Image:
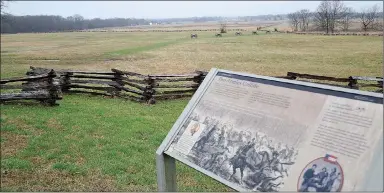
(304, 16)
(346, 18)
(294, 20)
(368, 17)
(321, 18)
(328, 13)
(337, 11)
(3, 6)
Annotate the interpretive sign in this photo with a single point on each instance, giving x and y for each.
(256, 133)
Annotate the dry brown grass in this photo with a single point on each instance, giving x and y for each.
(50, 180)
(13, 143)
(55, 124)
(176, 53)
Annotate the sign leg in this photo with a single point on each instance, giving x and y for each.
(166, 173)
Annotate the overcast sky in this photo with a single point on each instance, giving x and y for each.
(166, 9)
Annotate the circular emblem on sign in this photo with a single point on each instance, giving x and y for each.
(323, 174)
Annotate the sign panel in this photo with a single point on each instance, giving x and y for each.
(256, 133)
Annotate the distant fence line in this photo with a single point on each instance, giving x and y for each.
(46, 85)
(42, 88)
(158, 30)
(353, 82)
(336, 34)
(181, 30)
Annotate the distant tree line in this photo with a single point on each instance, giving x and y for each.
(190, 19)
(53, 23)
(269, 17)
(332, 15)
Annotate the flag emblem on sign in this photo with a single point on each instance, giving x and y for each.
(330, 158)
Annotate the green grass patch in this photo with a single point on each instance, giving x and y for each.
(69, 167)
(139, 49)
(15, 163)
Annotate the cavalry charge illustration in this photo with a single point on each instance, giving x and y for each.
(251, 161)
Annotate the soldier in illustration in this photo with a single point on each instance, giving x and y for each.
(277, 165)
(290, 155)
(207, 120)
(221, 139)
(322, 176)
(274, 163)
(309, 174)
(270, 146)
(241, 152)
(235, 136)
(257, 136)
(213, 162)
(205, 139)
(330, 181)
(317, 182)
(239, 160)
(240, 137)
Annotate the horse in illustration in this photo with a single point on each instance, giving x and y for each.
(239, 160)
(273, 162)
(215, 159)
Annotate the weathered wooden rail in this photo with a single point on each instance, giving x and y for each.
(97, 83)
(176, 86)
(354, 82)
(42, 88)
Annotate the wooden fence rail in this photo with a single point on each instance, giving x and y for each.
(42, 88)
(354, 82)
(149, 88)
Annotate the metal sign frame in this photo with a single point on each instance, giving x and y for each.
(166, 161)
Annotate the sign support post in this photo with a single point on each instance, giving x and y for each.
(166, 173)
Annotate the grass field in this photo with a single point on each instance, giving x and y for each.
(93, 143)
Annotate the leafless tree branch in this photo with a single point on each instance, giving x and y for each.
(368, 17)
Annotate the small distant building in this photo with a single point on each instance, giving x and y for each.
(150, 23)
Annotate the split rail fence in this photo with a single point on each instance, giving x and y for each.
(125, 84)
(46, 85)
(42, 88)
